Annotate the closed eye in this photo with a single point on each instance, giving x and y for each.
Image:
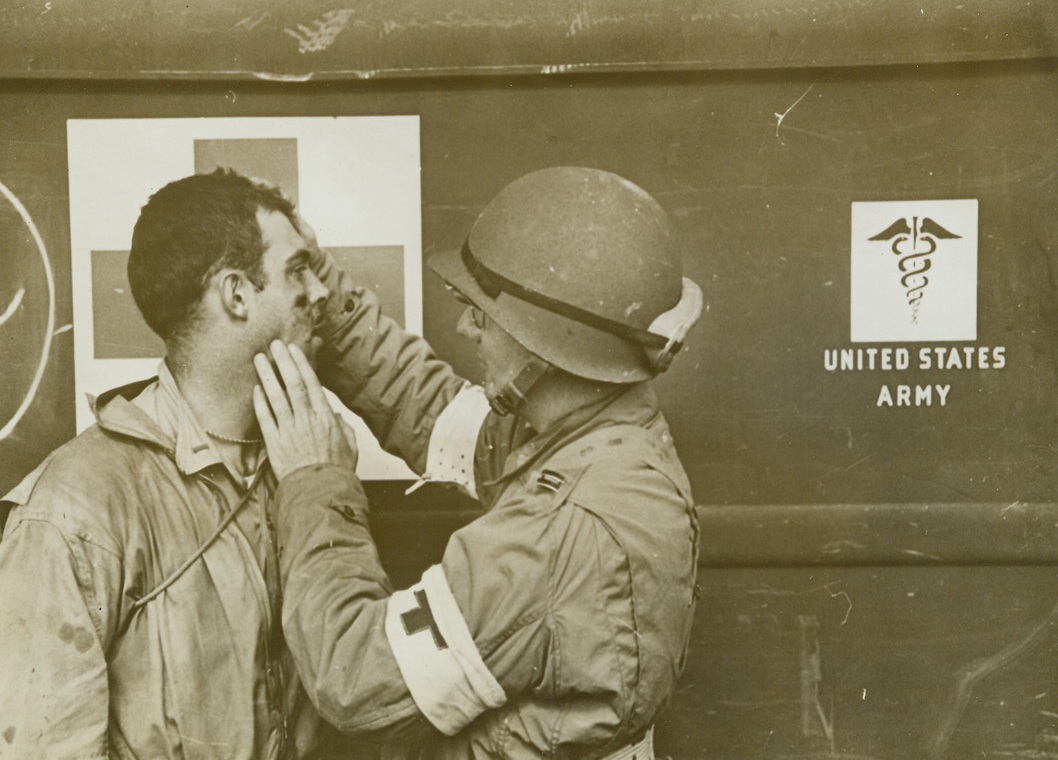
(298, 264)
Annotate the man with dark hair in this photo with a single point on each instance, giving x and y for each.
(556, 624)
(139, 584)
(176, 255)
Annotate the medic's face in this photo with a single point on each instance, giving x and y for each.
(500, 355)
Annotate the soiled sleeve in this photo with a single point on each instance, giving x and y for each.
(54, 621)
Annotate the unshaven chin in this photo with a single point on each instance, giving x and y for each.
(311, 349)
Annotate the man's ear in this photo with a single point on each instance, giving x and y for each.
(233, 287)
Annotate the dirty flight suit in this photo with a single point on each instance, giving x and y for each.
(111, 647)
(556, 623)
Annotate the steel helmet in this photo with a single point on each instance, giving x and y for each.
(581, 267)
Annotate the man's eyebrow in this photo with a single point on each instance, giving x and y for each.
(299, 258)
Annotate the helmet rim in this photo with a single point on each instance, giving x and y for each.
(569, 345)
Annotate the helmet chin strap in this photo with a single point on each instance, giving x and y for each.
(511, 397)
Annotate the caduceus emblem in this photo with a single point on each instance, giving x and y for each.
(914, 259)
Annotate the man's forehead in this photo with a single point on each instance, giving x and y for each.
(277, 229)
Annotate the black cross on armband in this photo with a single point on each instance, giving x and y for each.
(421, 619)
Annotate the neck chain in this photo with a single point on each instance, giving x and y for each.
(226, 439)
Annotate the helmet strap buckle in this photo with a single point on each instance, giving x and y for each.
(673, 325)
(511, 397)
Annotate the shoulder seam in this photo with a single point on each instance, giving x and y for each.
(67, 535)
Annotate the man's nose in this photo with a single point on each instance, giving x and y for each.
(317, 291)
(467, 326)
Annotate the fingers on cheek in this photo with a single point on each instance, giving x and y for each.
(260, 404)
(269, 384)
(263, 367)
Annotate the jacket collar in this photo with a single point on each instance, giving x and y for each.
(634, 404)
(155, 412)
(115, 412)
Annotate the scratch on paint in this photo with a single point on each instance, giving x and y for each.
(811, 678)
(915, 553)
(562, 68)
(270, 77)
(64, 328)
(251, 22)
(842, 594)
(580, 22)
(836, 547)
(1042, 747)
(13, 306)
(321, 33)
(979, 669)
(780, 116)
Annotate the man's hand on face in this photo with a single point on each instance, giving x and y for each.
(299, 427)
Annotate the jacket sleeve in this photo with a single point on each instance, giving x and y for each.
(334, 603)
(54, 702)
(391, 378)
(377, 662)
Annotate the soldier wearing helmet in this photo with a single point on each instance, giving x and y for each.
(556, 623)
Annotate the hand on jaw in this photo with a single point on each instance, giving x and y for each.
(298, 425)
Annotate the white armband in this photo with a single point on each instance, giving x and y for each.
(437, 657)
(450, 454)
